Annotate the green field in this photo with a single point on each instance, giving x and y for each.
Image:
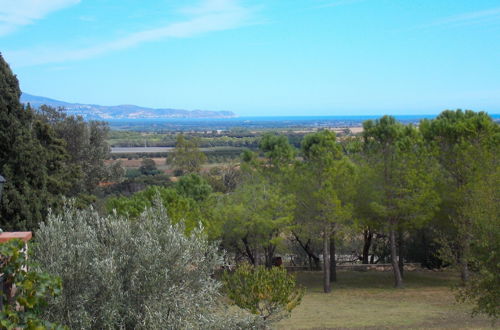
(367, 300)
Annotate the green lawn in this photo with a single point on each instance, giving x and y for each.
(368, 300)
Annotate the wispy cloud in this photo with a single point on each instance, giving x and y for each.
(208, 16)
(470, 18)
(17, 13)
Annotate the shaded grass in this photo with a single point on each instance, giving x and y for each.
(368, 300)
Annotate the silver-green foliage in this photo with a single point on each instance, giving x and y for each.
(120, 273)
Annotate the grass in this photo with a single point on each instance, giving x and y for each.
(368, 300)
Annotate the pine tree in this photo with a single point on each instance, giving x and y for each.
(466, 146)
(324, 193)
(31, 159)
(9, 111)
(406, 196)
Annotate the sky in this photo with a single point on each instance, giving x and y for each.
(259, 57)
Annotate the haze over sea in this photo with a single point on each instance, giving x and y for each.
(258, 122)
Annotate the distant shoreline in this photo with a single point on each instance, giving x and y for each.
(279, 123)
(287, 118)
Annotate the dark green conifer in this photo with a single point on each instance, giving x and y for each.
(31, 159)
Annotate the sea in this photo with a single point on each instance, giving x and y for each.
(255, 123)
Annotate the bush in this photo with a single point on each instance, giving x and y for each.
(131, 274)
(148, 167)
(31, 293)
(271, 293)
(132, 173)
(194, 186)
(178, 207)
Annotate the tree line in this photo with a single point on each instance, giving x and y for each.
(45, 155)
(426, 193)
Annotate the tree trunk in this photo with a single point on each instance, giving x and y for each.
(317, 264)
(333, 260)
(257, 257)
(464, 271)
(307, 249)
(326, 262)
(401, 262)
(269, 254)
(248, 251)
(398, 281)
(368, 235)
(464, 267)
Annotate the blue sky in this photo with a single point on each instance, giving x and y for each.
(272, 57)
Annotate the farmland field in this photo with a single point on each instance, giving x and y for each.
(124, 150)
(148, 150)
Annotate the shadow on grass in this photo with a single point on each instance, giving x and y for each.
(378, 280)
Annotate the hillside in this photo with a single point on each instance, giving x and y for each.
(101, 112)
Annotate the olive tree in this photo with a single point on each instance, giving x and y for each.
(131, 274)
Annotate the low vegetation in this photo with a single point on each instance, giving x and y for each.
(131, 274)
(270, 293)
(21, 306)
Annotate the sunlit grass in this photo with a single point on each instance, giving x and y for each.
(368, 300)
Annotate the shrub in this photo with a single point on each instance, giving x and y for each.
(194, 186)
(131, 274)
(132, 173)
(148, 167)
(271, 293)
(32, 290)
(178, 207)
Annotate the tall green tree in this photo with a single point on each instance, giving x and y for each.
(406, 196)
(86, 145)
(32, 159)
(483, 208)
(277, 150)
(324, 194)
(252, 219)
(187, 157)
(467, 146)
(366, 221)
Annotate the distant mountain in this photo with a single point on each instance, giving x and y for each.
(102, 112)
